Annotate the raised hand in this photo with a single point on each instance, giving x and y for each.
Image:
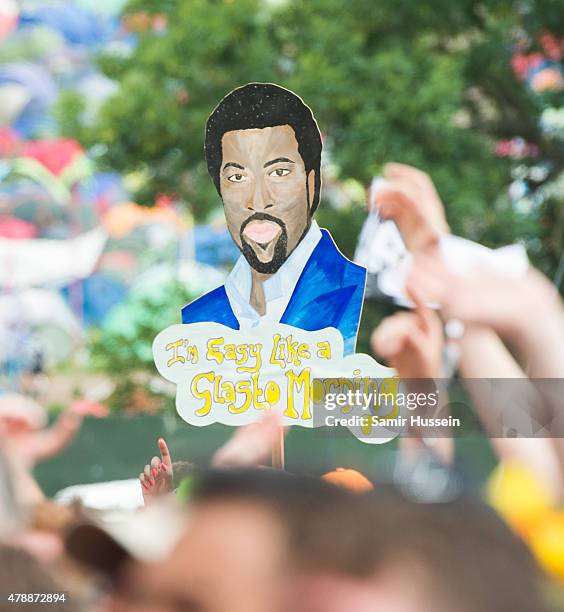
(157, 476)
(409, 198)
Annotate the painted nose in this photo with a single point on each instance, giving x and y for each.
(259, 200)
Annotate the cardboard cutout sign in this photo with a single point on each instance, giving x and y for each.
(290, 285)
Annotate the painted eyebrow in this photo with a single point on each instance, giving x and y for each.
(278, 160)
(233, 165)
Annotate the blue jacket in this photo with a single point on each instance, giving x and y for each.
(329, 293)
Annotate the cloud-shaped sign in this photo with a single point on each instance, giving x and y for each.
(232, 376)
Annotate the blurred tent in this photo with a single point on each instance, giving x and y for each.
(38, 307)
(106, 7)
(38, 43)
(77, 26)
(9, 13)
(35, 171)
(214, 245)
(37, 329)
(34, 77)
(72, 169)
(12, 227)
(123, 218)
(13, 99)
(55, 154)
(103, 190)
(32, 263)
(9, 141)
(40, 88)
(100, 293)
(30, 201)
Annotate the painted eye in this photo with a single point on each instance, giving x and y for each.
(280, 172)
(236, 178)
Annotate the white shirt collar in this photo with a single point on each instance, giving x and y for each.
(277, 289)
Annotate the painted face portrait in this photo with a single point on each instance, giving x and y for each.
(265, 193)
(263, 150)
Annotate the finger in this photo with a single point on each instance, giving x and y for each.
(431, 289)
(398, 190)
(143, 482)
(393, 169)
(428, 320)
(394, 206)
(416, 340)
(148, 475)
(423, 185)
(392, 326)
(401, 174)
(155, 466)
(165, 453)
(421, 311)
(389, 347)
(416, 177)
(389, 337)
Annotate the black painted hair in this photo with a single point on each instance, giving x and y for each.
(260, 105)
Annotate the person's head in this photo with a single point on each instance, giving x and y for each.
(263, 151)
(381, 551)
(237, 551)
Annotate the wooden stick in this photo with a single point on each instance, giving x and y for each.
(278, 450)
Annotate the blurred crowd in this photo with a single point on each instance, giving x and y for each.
(243, 534)
(240, 535)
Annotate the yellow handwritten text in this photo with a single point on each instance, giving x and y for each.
(189, 355)
(286, 351)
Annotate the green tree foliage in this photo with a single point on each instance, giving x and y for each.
(428, 83)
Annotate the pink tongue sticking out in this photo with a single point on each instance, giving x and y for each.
(261, 232)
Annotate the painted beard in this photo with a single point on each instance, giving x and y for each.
(279, 255)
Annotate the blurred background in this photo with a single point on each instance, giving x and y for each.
(109, 222)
